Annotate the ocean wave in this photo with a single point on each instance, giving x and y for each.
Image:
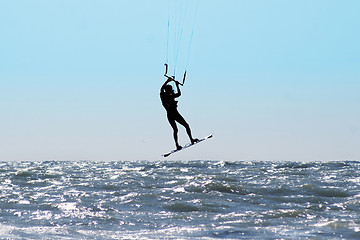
(179, 200)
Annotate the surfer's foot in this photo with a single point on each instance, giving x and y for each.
(194, 140)
(178, 147)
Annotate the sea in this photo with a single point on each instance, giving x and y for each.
(179, 200)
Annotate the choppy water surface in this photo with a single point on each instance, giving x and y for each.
(179, 200)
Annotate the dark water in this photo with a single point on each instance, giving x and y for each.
(179, 200)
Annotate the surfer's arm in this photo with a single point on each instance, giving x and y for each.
(178, 92)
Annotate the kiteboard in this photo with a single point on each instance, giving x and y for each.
(187, 146)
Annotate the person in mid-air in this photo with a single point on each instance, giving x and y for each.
(168, 96)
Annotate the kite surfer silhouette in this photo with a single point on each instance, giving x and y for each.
(168, 96)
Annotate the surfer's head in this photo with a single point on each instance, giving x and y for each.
(168, 89)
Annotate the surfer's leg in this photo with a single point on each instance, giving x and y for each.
(183, 122)
(175, 130)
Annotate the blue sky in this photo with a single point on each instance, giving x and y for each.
(272, 80)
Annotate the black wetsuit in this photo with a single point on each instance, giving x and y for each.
(170, 104)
